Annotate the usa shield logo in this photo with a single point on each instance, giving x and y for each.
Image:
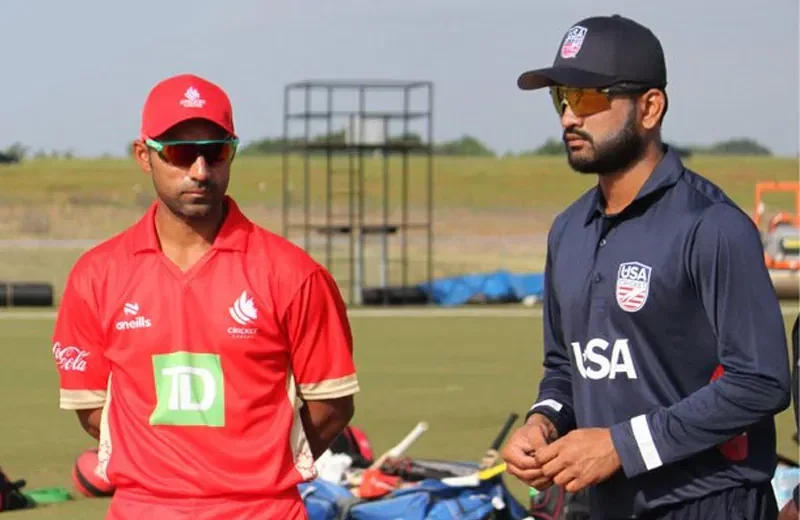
(573, 42)
(633, 285)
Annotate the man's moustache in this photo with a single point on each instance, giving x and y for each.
(573, 132)
(189, 186)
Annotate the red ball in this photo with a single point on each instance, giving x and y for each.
(84, 478)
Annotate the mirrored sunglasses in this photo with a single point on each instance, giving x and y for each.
(587, 101)
(185, 153)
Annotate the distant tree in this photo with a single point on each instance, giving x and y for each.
(7, 159)
(13, 154)
(408, 139)
(465, 146)
(682, 151)
(264, 146)
(339, 137)
(551, 147)
(739, 146)
(271, 146)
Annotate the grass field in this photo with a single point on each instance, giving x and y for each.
(488, 213)
(463, 373)
(469, 183)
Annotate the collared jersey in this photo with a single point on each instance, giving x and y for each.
(201, 375)
(640, 309)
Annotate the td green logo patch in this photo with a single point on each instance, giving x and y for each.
(190, 390)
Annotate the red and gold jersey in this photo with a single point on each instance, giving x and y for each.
(201, 374)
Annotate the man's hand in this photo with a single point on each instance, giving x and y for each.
(580, 459)
(789, 511)
(518, 451)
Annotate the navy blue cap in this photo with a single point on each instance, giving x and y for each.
(602, 51)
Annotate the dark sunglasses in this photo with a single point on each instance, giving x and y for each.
(185, 153)
(587, 101)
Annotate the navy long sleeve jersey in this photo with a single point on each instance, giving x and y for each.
(640, 309)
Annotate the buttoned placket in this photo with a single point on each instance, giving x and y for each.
(605, 227)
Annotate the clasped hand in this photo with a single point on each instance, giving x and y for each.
(580, 459)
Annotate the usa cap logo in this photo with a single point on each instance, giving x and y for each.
(573, 42)
(633, 285)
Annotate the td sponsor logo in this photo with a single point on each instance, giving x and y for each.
(190, 390)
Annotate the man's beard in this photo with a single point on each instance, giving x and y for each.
(190, 208)
(613, 155)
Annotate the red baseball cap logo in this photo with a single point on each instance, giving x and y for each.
(183, 97)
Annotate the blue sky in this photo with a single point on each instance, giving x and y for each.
(83, 68)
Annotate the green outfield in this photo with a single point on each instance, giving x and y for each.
(462, 371)
(489, 213)
(469, 183)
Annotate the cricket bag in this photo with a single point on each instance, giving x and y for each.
(556, 503)
(11, 496)
(430, 499)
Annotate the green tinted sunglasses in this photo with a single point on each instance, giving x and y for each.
(185, 153)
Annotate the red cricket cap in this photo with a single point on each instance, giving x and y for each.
(182, 97)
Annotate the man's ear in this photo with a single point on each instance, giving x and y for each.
(142, 155)
(653, 106)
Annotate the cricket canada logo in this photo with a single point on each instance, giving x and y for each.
(244, 312)
(633, 285)
(573, 42)
(192, 99)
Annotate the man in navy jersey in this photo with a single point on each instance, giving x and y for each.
(665, 350)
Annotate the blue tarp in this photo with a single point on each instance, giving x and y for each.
(499, 286)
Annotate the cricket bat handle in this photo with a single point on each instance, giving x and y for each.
(501, 436)
(492, 454)
(401, 447)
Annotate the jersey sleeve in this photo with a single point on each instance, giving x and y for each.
(725, 261)
(555, 388)
(321, 340)
(79, 348)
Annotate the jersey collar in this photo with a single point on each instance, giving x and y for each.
(232, 235)
(665, 175)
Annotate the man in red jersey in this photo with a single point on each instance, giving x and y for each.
(211, 358)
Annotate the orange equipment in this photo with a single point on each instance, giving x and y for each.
(782, 233)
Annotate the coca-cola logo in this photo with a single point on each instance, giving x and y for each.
(70, 358)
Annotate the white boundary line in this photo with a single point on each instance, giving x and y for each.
(396, 312)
